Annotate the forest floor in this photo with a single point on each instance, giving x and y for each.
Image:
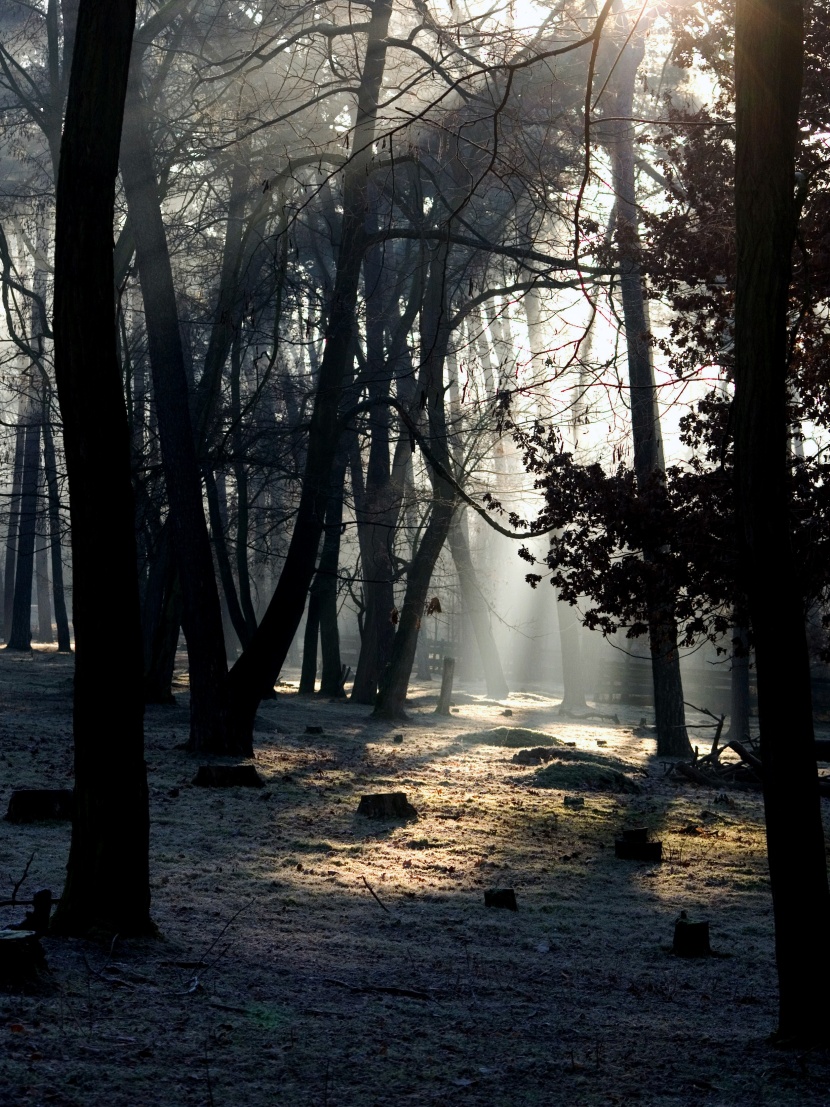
(280, 978)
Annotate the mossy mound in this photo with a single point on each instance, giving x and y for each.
(512, 737)
(577, 776)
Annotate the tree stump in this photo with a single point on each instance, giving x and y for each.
(21, 958)
(314, 730)
(501, 897)
(228, 776)
(634, 845)
(691, 939)
(35, 805)
(387, 805)
(37, 920)
(447, 675)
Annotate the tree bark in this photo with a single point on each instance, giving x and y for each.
(108, 881)
(739, 686)
(14, 512)
(769, 46)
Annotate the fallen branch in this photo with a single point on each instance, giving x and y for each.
(375, 897)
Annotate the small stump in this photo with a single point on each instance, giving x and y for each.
(311, 729)
(21, 958)
(386, 805)
(501, 897)
(228, 776)
(634, 845)
(36, 805)
(691, 939)
(574, 801)
(37, 920)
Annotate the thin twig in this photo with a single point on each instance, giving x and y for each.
(16, 888)
(374, 896)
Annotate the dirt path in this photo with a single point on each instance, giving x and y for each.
(281, 978)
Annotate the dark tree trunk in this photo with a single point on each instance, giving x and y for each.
(435, 334)
(108, 881)
(44, 605)
(21, 635)
(254, 673)
(219, 527)
(672, 737)
(210, 729)
(14, 513)
(573, 670)
(476, 607)
(394, 683)
(769, 37)
(326, 585)
(308, 672)
(739, 686)
(55, 535)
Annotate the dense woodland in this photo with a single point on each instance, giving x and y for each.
(338, 339)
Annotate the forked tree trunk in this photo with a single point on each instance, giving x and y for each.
(210, 727)
(255, 672)
(769, 49)
(107, 885)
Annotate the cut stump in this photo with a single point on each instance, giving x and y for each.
(37, 920)
(691, 939)
(36, 805)
(633, 845)
(21, 958)
(386, 805)
(501, 897)
(228, 776)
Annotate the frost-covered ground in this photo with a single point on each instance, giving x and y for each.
(280, 977)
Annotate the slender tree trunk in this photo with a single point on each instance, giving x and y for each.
(573, 667)
(739, 686)
(44, 605)
(672, 737)
(210, 727)
(326, 585)
(14, 512)
(769, 44)
(308, 672)
(55, 531)
(254, 673)
(476, 607)
(108, 880)
(21, 634)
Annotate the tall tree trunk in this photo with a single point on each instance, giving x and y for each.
(210, 727)
(670, 720)
(326, 584)
(254, 673)
(476, 607)
(21, 633)
(308, 671)
(50, 469)
(739, 686)
(769, 38)
(14, 511)
(107, 885)
(434, 341)
(44, 605)
(573, 668)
